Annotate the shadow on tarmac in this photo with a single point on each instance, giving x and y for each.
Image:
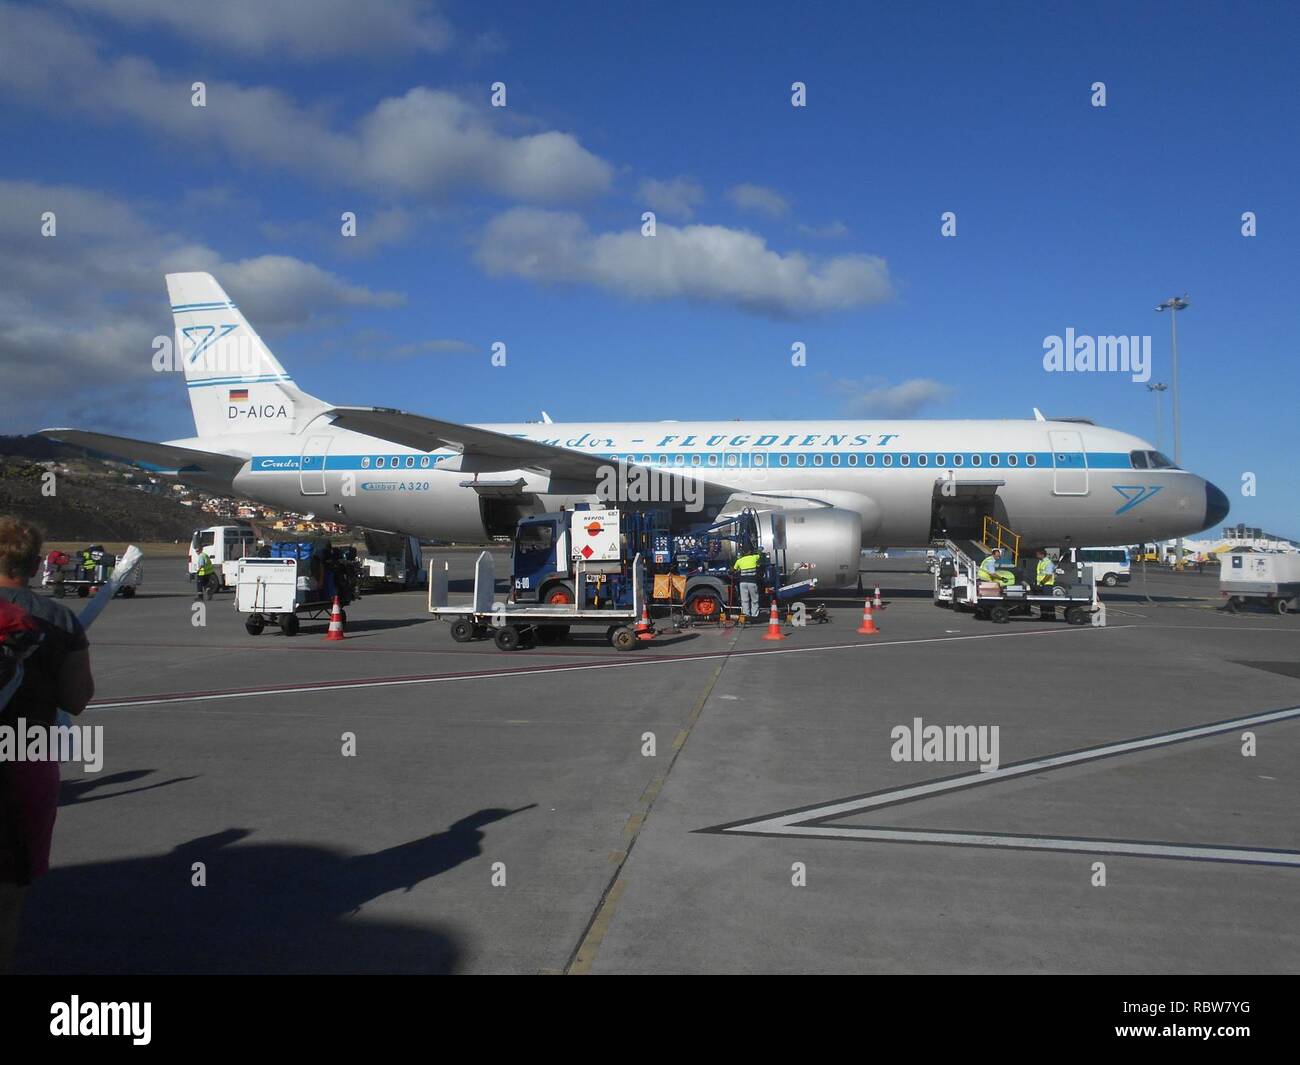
(75, 790)
(266, 908)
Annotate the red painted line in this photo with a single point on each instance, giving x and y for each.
(605, 663)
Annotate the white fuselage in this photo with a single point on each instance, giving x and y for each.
(1055, 483)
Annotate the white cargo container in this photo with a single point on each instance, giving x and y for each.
(1263, 578)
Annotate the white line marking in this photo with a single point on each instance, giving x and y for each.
(1052, 843)
(796, 824)
(541, 671)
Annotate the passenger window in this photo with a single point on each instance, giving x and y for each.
(853, 460)
(923, 460)
(888, 460)
(1031, 460)
(994, 460)
(871, 460)
(957, 460)
(1012, 460)
(785, 460)
(976, 460)
(941, 460)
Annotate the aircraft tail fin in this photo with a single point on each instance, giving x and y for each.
(235, 384)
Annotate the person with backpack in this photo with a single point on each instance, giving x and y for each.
(45, 675)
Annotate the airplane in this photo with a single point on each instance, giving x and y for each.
(840, 485)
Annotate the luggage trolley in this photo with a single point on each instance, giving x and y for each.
(513, 625)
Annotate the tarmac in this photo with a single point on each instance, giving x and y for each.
(709, 802)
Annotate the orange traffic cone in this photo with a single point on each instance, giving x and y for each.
(875, 600)
(868, 626)
(644, 630)
(773, 624)
(336, 622)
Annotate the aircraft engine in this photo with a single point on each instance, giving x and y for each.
(821, 542)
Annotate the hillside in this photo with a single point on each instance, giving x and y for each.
(91, 503)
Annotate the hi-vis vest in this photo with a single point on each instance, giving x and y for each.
(1046, 572)
(989, 568)
(205, 565)
(747, 566)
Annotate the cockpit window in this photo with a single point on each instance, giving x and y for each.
(1151, 460)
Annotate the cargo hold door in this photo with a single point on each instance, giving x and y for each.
(1069, 463)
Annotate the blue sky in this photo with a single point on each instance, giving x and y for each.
(776, 224)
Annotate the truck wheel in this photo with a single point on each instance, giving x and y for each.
(83, 590)
(1282, 606)
(999, 615)
(507, 639)
(462, 631)
(702, 606)
(623, 638)
(1110, 580)
(560, 592)
(255, 624)
(289, 624)
(1076, 616)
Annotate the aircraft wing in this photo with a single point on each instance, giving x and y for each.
(184, 462)
(486, 451)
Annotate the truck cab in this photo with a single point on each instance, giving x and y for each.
(223, 543)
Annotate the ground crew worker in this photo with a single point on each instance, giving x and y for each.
(1045, 570)
(989, 569)
(203, 570)
(747, 568)
(1045, 579)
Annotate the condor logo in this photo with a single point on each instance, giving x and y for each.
(1135, 495)
(257, 411)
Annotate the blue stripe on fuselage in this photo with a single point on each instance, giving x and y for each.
(722, 460)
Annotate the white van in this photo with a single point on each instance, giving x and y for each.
(1110, 565)
(223, 543)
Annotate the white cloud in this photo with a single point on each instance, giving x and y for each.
(872, 396)
(276, 28)
(80, 310)
(708, 264)
(831, 231)
(758, 198)
(677, 198)
(427, 144)
(443, 346)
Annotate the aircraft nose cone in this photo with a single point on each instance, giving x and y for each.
(1216, 505)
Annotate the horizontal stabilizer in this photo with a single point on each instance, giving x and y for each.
(186, 463)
